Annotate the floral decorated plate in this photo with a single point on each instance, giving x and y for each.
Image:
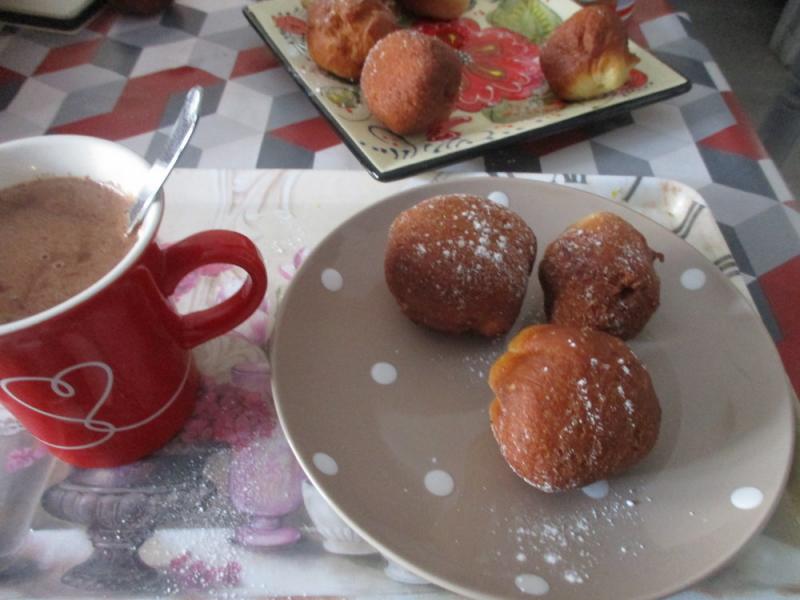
(503, 96)
(390, 422)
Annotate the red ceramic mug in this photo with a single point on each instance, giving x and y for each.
(107, 376)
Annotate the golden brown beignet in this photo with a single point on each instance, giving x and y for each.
(342, 32)
(411, 81)
(572, 406)
(599, 273)
(459, 263)
(436, 9)
(587, 55)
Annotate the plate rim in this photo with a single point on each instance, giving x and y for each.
(386, 175)
(788, 406)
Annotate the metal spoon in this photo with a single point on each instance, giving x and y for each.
(178, 138)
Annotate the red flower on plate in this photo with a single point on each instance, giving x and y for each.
(444, 131)
(499, 64)
(291, 24)
(636, 79)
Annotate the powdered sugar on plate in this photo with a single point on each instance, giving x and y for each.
(571, 544)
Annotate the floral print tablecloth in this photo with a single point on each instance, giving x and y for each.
(224, 510)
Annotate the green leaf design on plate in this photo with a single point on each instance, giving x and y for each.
(511, 111)
(343, 97)
(530, 18)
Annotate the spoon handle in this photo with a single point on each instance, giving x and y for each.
(178, 138)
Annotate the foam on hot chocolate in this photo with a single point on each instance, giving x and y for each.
(57, 237)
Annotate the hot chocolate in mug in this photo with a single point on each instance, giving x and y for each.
(106, 376)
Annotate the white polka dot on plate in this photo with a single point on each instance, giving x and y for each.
(439, 483)
(573, 576)
(596, 490)
(534, 585)
(551, 558)
(332, 280)
(499, 198)
(384, 373)
(325, 463)
(693, 279)
(747, 498)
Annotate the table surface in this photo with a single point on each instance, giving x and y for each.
(123, 78)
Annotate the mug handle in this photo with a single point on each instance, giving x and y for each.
(214, 247)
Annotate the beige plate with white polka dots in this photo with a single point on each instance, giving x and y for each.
(390, 422)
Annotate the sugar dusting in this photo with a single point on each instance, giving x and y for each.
(607, 412)
(475, 244)
(572, 544)
(479, 362)
(618, 260)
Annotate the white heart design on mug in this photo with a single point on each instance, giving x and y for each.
(64, 389)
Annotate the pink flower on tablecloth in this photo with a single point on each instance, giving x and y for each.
(196, 574)
(188, 283)
(256, 328)
(289, 270)
(230, 414)
(499, 64)
(22, 458)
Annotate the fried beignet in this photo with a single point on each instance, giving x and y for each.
(436, 9)
(342, 32)
(572, 406)
(459, 263)
(587, 55)
(599, 273)
(411, 81)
